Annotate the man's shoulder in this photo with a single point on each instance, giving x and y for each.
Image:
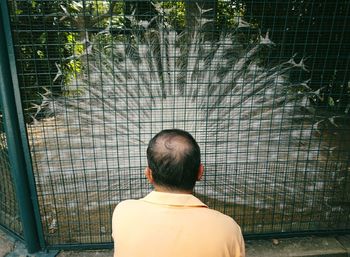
(127, 204)
(125, 208)
(220, 217)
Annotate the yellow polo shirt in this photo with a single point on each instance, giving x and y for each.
(173, 225)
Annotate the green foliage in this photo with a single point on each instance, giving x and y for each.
(229, 13)
(93, 14)
(318, 30)
(44, 45)
(174, 13)
(50, 38)
(72, 66)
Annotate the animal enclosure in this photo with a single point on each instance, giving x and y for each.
(98, 79)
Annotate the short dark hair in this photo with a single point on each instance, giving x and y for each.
(174, 157)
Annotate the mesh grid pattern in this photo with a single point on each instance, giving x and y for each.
(9, 212)
(99, 79)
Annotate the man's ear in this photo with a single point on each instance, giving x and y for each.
(148, 174)
(200, 172)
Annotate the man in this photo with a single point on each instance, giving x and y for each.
(170, 221)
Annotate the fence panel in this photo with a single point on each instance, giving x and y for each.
(9, 212)
(99, 78)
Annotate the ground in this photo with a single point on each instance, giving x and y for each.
(312, 246)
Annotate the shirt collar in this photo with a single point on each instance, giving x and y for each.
(173, 199)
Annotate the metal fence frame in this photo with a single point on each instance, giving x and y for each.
(16, 139)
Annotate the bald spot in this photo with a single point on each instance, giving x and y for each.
(174, 146)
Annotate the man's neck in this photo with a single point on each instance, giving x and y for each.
(172, 191)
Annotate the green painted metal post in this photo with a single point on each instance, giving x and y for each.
(14, 140)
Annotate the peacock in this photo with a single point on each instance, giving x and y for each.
(254, 124)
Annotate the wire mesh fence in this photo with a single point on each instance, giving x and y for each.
(9, 212)
(99, 78)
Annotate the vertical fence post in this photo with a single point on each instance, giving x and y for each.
(14, 140)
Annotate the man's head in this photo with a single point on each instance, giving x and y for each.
(174, 160)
